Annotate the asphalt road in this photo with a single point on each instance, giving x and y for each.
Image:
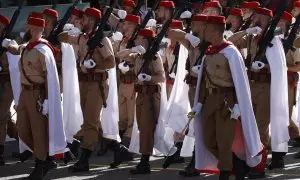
(100, 169)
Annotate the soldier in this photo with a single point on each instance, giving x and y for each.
(222, 89)
(296, 9)
(148, 95)
(212, 8)
(164, 11)
(248, 9)
(126, 86)
(51, 17)
(260, 83)
(234, 20)
(191, 42)
(39, 109)
(75, 18)
(7, 126)
(93, 88)
(129, 6)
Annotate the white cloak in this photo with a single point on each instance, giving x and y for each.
(14, 72)
(252, 144)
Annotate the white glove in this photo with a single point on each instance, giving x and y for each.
(235, 112)
(144, 77)
(186, 15)
(172, 75)
(68, 27)
(6, 43)
(138, 49)
(254, 30)
(74, 31)
(166, 40)
(196, 69)
(227, 34)
(122, 14)
(123, 67)
(45, 107)
(151, 23)
(89, 63)
(257, 65)
(0, 68)
(117, 36)
(192, 39)
(197, 108)
(22, 35)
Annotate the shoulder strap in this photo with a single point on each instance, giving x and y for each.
(23, 70)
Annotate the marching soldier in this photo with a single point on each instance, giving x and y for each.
(39, 109)
(222, 89)
(148, 95)
(248, 9)
(235, 20)
(260, 82)
(191, 42)
(129, 6)
(7, 126)
(212, 8)
(164, 11)
(296, 9)
(51, 17)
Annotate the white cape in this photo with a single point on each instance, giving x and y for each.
(109, 116)
(72, 113)
(57, 138)
(204, 159)
(14, 72)
(279, 117)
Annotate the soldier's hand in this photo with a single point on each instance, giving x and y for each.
(6, 42)
(139, 49)
(227, 34)
(257, 65)
(122, 14)
(172, 75)
(89, 63)
(117, 36)
(74, 31)
(68, 27)
(151, 23)
(235, 112)
(254, 30)
(196, 69)
(45, 107)
(186, 15)
(195, 41)
(144, 77)
(123, 67)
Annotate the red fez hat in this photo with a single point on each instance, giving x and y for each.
(199, 17)
(77, 12)
(133, 18)
(211, 4)
(93, 12)
(216, 20)
(51, 12)
(236, 12)
(147, 33)
(297, 4)
(167, 4)
(36, 22)
(250, 5)
(35, 15)
(4, 20)
(287, 16)
(129, 3)
(176, 24)
(264, 11)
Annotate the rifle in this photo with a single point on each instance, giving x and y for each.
(269, 33)
(202, 48)
(52, 38)
(288, 43)
(153, 48)
(9, 28)
(176, 55)
(149, 14)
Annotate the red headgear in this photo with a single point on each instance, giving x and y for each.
(264, 11)
(133, 18)
(147, 33)
(216, 20)
(93, 12)
(36, 22)
(4, 20)
(167, 4)
(51, 12)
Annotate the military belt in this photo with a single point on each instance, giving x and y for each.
(93, 77)
(147, 88)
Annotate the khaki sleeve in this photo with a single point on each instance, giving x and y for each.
(64, 37)
(158, 73)
(239, 39)
(296, 55)
(42, 60)
(178, 35)
(106, 51)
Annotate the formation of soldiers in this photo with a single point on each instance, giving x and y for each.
(148, 80)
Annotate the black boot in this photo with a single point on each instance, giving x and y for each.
(38, 173)
(103, 148)
(294, 142)
(297, 155)
(175, 158)
(126, 141)
(82, 164)
(277, 161)
(121, 133)
(121, 154)
(143, 167)
(68, 156)
(241, 169)
(50, 164)
(24, 156)
(74, 147)
(224, 175)
(2, 161)
(190, 170)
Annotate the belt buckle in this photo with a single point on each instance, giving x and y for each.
(210, 91)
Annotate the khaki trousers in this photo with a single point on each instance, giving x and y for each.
(126, 108)
(219, 129)
(32, 125)
(147, 113)
(91, 105)
(6, 125)
(260, 93)
(293, 128)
